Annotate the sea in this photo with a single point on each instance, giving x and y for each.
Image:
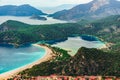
(27, 20)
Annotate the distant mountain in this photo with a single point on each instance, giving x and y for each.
(22, 10)
(57, 8)
(92, 10)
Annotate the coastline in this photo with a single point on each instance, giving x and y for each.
(47, 56)
(106, 45)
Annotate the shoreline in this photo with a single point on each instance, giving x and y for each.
(47, 56)
(106, 45)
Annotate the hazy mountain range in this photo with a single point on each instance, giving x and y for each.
(92, 10)
(28, 10)
(22, 10)
(57, 8)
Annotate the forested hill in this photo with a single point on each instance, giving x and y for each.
(85, 62)
(20, 33)
(107, 29)
(93, 62)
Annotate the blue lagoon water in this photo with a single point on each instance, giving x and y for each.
(12, 58)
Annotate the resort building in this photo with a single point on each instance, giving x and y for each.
(56, 77)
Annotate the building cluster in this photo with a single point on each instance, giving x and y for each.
(55, 77)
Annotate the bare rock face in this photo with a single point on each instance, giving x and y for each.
(98, 3)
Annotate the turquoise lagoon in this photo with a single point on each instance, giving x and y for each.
(72, 44)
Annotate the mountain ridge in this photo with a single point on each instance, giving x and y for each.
(22, 10)
(93, 10)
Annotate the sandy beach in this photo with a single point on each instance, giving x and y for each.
(11, 73)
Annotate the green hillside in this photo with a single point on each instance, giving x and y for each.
(107, 29)
(85, 62)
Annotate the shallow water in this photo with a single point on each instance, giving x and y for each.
(74, 43)
(12, 58)
(27, 20)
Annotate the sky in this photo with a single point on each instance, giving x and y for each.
(42, 3)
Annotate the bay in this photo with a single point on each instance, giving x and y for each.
(12, 58)
(27, 20)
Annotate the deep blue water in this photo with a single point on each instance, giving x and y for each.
(89, 38)
(12, 58)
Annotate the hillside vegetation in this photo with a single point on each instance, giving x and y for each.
(107, 29)
(85, 62)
